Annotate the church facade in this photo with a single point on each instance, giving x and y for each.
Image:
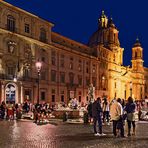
(68, 67)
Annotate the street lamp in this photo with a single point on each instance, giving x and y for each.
(38, 66)
(15, 79)
(131, 89)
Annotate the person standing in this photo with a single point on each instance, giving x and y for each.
(105, 107)
(116, 113)
(130, 108)
(89, 110)
(96, 113)
(3, 108)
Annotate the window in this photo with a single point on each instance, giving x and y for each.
(43, 75)
(103, 82)
(62, 61)
(42, 95)
(53, 91)
(53, 98)
(11, 71)
(94, 81)
(28, 95)
(42, 35)
(87, 67)
(115, 94)
(11, 23)
(53, 61)
(80, 80)
(115, 85)
(71, 65)
(53, 58)
(114, 37)
(71, 78)
(80, 66)
(62, 98)
(87, 98)
(26, 73)
(62, 77)
(114, 58)
(43, 59)
(87, 71)
(87, 81)
(53, 76)
(27, 28)
(135, 54)
(94, 68)
(79, 98)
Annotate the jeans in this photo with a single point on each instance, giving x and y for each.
(115, 122)
(115, 127)
(95, 119)
(129, 126)
(106, 115)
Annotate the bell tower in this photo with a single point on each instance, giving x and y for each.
(137, 57)
(113, 39)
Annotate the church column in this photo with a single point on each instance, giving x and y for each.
(21, 94)
(3, 90)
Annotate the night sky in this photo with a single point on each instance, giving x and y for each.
(78, 19)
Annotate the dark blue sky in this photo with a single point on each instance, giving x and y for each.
(78, 19)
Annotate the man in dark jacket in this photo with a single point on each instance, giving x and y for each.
(96, 113)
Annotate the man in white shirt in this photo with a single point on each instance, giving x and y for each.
(116, 113)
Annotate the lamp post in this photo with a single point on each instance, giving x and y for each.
(15, 79)
(131, 89)
(38, 66)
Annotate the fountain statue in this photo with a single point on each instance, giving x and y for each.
(91, 93)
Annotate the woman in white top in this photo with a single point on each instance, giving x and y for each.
(105, 107)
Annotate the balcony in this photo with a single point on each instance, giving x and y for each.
(6, 77)
(11, 28)
(44, 40)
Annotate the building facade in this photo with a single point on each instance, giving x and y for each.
(68, 67)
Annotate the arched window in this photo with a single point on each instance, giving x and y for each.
(135, 54)
(71, 78)
(103, 82)
(42, 35)
(11, 23)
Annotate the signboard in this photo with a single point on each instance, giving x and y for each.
(10, 92)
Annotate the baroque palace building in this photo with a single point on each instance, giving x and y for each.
(68, 67)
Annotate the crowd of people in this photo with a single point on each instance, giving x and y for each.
(118, 111)
(100, 112)
(11, 111)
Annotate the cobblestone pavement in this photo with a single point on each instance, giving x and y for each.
(25, 134)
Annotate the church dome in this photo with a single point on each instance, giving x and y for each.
(105, 33)
(96, 38)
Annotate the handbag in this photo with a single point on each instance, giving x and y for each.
(131, 116)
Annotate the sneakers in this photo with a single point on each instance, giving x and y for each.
(103, 134)
(97, 134)
(108, 123)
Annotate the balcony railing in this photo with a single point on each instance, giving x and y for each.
(43, 39)
(12, 29)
